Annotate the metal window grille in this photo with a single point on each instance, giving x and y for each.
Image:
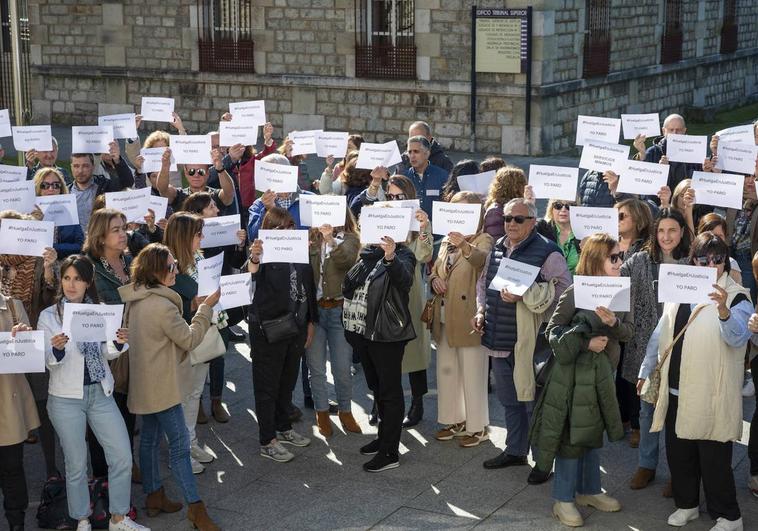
(729, 27)
(226, 40)
(385, 46)
(597, 38)
(6, 61)
(673, 36)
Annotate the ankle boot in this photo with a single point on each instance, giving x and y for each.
(348, 422)
(157, 502)
(415, 413)
(324, 423)
(201, 417)
(374, 418)
(198, 516)
(218, 411)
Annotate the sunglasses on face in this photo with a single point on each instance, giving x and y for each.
(716, 259)
(172, 267)
(193, 171)
(518, 219)
(48, 186)
(395, 197)
(615, 258)
(561, 206)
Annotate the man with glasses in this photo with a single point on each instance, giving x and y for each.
(509, 324)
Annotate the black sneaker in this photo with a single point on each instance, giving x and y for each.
(505, 460)
(371, 448)
(538, 477)
(382, 462)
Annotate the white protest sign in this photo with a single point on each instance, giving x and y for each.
(413, 204)
(230, 133)
(220, 231)
(611, 292)
(372, 155)
(5, 123)
(640, 124)
(515, 276)
(157, 109)
(252, 112)
(275, 177)
(686, 148)
(377, 222)
(236, 290)
(739, 158)
(304, 142)
(478, 183)
(124, 125)
(25, 237)
(455, 217)
(37, 137)
(586, 221)
(12, 174)
(159, 205)
(596, 128)
(331, 143)
(23, 353)
(153, 159)
(133, 203)
(685, 284)
(741, 134)
(718, 189)
(318, 210)
(553, 182)
(644, 178)
(18, 196)
(60, 209)
(89, 323)
(191, 149)
(209, 274)
(91, 139)
(600, 157)
(287, 246)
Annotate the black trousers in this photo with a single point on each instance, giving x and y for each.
(96, 453)
(382, 365)
(13, 483)
(626, 394)
(752, 446)
(692, 461)
(419, 385)
(275, 370)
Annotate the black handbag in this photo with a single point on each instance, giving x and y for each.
(280, 329)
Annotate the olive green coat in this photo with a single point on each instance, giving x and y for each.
(418, 352)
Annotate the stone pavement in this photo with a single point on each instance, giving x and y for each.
(438, 485)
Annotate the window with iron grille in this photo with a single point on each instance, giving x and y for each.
(673, 36)
(729, 27)
(225, 36)
(385, 44)
(7, 98)
(597, 38)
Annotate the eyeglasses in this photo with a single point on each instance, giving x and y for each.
(715, 259)
(172, 267)
(518, 219)
(395, 197)
(622, 216)
(561, 206)
(48, 186)
(193, 171)
(615, 258)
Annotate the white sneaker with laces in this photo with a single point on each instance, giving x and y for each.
(197, 466)
(200, 455)
(84, 525)
(127, 524)
(682, 517)
(722, 524)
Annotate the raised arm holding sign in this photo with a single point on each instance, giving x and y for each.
(718, 189)
(685, 284)
(586, 221)
(157, 109)
(275, 177)
(553, 182)
(124, 125)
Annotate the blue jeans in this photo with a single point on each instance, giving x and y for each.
(329, 331)
(170, 422)
(70, 417)
(517, 413)
(745, 261)
(577, 476)
(649, 442)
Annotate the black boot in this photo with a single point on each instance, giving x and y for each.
(374, 418)
(415, 413)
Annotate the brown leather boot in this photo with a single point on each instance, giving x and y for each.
(668, 490)
(634, 439)
(201, 417)
(218, 411)
(324, 423)
(198, 516)
(348, 422)
(157, 502)
(641, 478)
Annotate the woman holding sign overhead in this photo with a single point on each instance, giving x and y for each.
(68, 238)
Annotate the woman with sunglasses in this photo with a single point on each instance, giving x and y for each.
(699, 399)
(715, 223)
(635, 221)
(557, 226)
(579, 395)
(68, 239)
(669, 244)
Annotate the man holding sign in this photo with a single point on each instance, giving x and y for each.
(672, 125)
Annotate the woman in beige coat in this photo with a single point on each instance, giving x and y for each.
(18, 415)
(158, 366)
(462, 365)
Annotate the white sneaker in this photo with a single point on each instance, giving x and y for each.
(197, 466)
(127, 524)
(682, 517)
(84, 525)
(752, 484)
(722, 524)
(748, 389)
(200, 455)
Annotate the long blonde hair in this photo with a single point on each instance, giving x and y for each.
(180, 231)
(44, 172)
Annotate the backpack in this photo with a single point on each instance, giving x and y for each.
(52, 512)
(98, 496)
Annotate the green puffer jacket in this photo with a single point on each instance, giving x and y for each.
(578, 403)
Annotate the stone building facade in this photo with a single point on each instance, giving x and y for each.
(102, 56)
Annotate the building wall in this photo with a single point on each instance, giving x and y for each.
(93, 57)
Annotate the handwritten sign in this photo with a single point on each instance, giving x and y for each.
(37, 137)
(586, 221)
(25, 237)
(12, 174)
(236, 290)
(456, 217)
(736, 157)
(191, 149)
(685, 284)
(611, 292)
(478, 182)
(231, 133)
(5, 123)
(318, 210)
(154, 159)
(133, 203)
(220, 231)
(275, 177)
(332, 143)
(601, 157)
(595, 128)
(124, 125)
(377, 222)
(686, 148)
(742, 134)
(287, 246)
(157, 109)
(718, 189)
(18, 196)
(85, 323)
(91, 139)
(24, 353)
(515, 276)
(60, 209)
(209, 274)
(304, 142)
(252, 112)
(371, 156)
(553, 182)
(640, 124)
(644, 178)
